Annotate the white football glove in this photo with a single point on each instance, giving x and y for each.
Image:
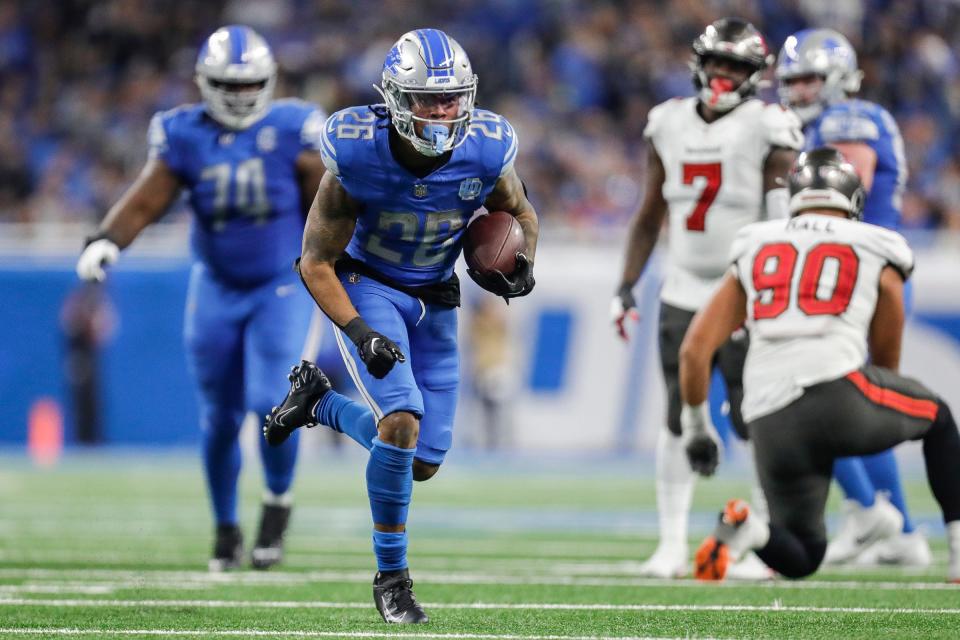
(623, 307)
(702, 442)
(99, 253)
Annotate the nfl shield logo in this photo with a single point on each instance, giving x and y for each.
(419, 191)
(470, 188)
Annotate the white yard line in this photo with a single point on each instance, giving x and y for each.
(143, 579)
(305, 634)
(313, 604)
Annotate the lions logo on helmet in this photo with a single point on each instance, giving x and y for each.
(422, 66)
(823, 179)
(817, 52)
(236, 74)
(731, 39)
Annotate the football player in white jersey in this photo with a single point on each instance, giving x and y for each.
(713, 166)
(815, 292)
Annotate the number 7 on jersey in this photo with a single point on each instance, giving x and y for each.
(697, 220)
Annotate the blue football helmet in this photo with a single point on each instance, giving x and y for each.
(824, 53)
(424, 65)
(236, 74)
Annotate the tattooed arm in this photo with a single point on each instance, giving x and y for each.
(330, 224)
(510, 196)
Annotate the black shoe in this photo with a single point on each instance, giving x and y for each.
(268, 550)
(227, 549)
(307, 386)
(393, 595)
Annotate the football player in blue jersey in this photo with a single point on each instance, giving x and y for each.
(817, 73)
(383, 234)
(251, 165)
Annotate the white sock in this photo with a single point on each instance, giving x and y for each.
(758, 501)
(953, 544)
(274, 500)
(675, 482)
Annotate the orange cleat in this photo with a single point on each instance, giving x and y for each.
(711, 561)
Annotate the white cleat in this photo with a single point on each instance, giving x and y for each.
(750, 569)
(863, 528)
(668, 561)
(904, 550)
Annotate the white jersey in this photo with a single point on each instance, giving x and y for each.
(812, 286)
(713, 185)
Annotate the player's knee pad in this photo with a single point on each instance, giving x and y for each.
(400, 429)
(423, 471)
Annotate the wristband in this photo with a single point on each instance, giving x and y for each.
(356, 329)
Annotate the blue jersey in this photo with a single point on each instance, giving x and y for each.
(871, 124)
(244, 191)
(410, 229)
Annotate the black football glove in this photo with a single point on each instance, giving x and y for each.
(703, 453)
(376, 350)
(519, 283)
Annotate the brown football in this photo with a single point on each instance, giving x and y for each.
(492, 242)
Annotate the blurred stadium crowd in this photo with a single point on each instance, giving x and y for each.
(81, 78)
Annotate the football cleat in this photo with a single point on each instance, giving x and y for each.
(308, 385)
(393, 595)
(227, 549)
(750, 569)
(862, 528)
(268, 549)
(668, 561)
(904, 550)
(732, 536)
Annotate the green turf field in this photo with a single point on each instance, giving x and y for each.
(115, 546)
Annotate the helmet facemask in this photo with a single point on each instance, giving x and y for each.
(426, 71)
(438, 135)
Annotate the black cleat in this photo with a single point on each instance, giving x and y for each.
(227, 549)
(307, 386)
(393, 595)
(268, 550)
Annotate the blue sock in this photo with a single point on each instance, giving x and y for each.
(883, 473)
(391, 550)
(389, 485)
(852, 477)
(279, 462)
(221, 464)
(349, 417)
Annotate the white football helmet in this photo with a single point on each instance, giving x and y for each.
(822, 52)
(422, 64)
(236, 74)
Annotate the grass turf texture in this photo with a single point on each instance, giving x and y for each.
(113, 546)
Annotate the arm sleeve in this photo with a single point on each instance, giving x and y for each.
(311, 132)
(893, 248)
(738, 250)
(512, 144)
(328, 149)
(161, 145)
(782, 128)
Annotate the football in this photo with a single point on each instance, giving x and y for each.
(491, 243)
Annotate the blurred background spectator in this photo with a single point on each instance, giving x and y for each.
(79, 80)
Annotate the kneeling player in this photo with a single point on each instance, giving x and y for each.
(815, 291)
